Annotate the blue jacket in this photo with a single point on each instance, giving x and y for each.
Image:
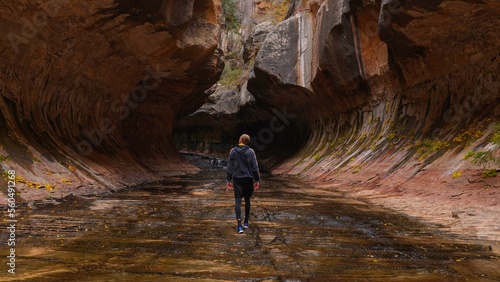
(242, 163)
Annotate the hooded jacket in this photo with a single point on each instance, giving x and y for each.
(242, 163)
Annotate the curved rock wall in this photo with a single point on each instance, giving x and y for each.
(90, 91)
(388, 89)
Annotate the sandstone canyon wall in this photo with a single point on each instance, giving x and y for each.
(394, 97)
(359, 90)
(89, 91)
(390, 90)
(377, 97)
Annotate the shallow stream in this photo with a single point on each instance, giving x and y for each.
(184, 229)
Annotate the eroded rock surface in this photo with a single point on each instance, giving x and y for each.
(90, 91)
(382, 99)
(394, 94)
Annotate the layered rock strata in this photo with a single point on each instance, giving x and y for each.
(394, 94)
(90, 91)
(373, 78)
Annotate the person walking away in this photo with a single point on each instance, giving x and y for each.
(243, 177)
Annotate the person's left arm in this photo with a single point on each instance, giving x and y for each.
(254, 165)
(229, 171)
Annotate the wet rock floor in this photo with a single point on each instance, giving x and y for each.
(184, 229)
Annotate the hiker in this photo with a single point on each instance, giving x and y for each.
(243, 176)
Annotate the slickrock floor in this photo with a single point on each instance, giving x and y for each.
(184, 229)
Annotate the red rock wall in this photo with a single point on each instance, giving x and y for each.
(89, 91)
(382, 85)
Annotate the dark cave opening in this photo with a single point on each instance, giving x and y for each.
(275, 135)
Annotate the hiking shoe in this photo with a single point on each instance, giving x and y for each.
(240, 229)
(245, 225)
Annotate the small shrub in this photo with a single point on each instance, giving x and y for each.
(469, 155)
(230, 8)
(490, 173)
(231, 76)
(66, 181)
(495, 139)
(5, 175)
(456, 174)
(468, 136)
(481, 158)
(20, 179)
(484, 158)
(356, 168)
(428, 147)
(34, 185)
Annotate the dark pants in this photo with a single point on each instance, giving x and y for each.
(243, 188)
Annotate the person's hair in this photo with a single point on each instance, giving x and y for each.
(245, 139)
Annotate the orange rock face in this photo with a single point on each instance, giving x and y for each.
(394, 94)
(96, 86)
